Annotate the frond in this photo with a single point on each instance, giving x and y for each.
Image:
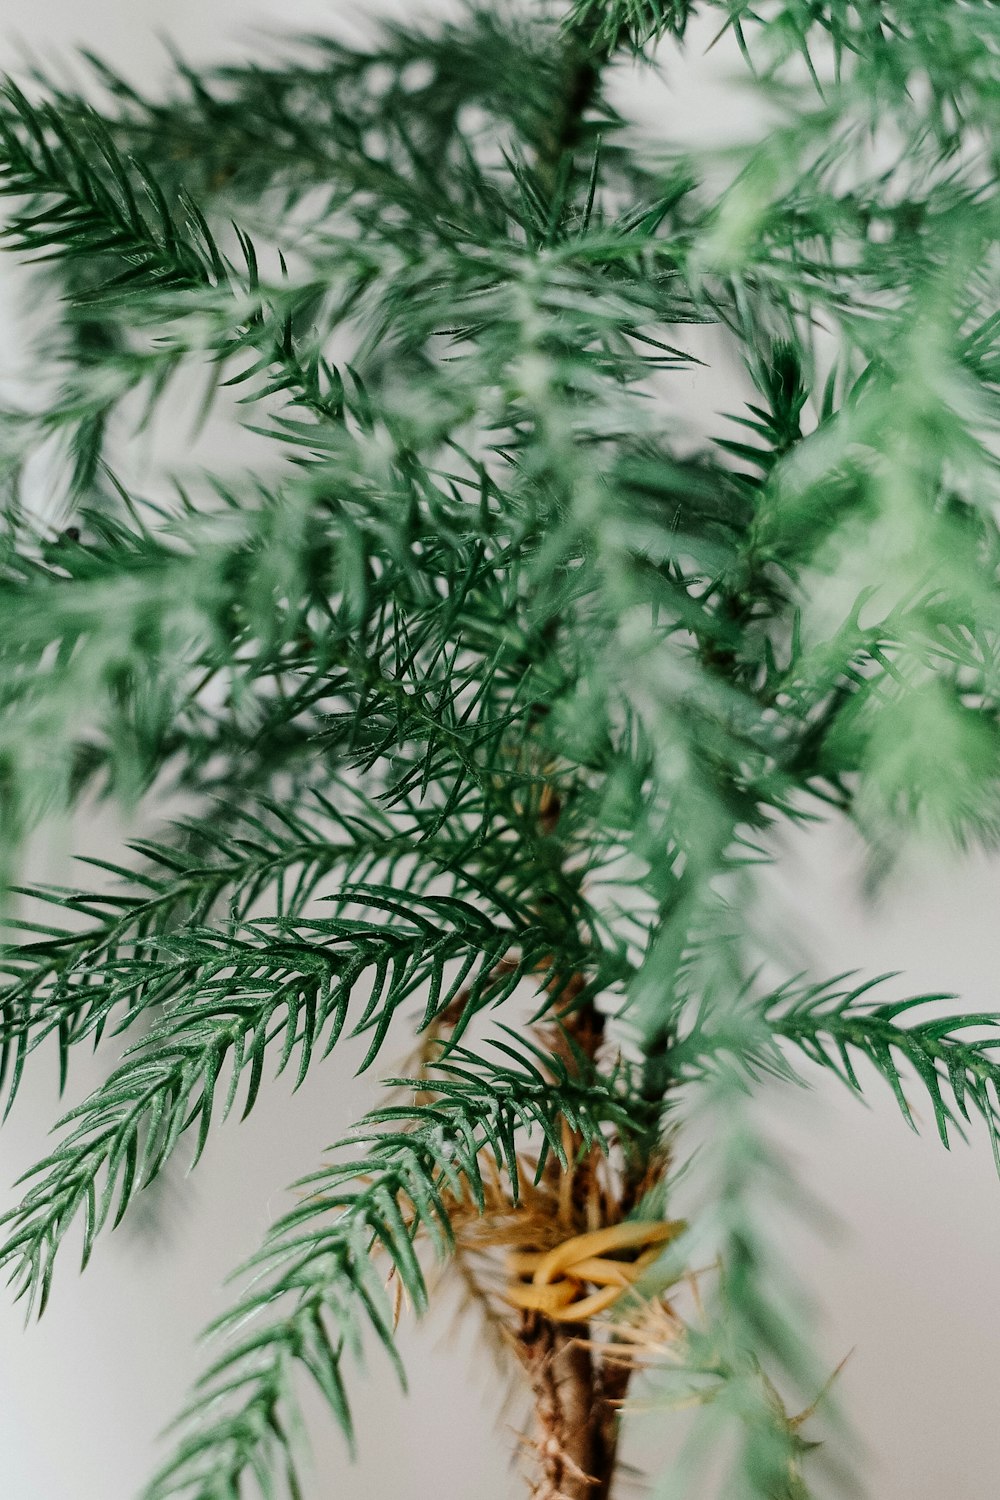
(107, 209)
(316, 1282)
(229, 999)
(143, 946)
(304, 119)
(639, 22)
(951, 1057)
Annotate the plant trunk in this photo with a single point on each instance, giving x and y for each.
(576, 1416)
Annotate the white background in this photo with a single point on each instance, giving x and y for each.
(910, 1282)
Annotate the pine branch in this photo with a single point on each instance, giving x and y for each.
(953, 47)
(303, 120)
(640, 22)
(315, 1279)
(960, 1075)
(97, 204)
(75, 982)
(835, 1027)
(239, 599)
(260, 988)
(119, 639)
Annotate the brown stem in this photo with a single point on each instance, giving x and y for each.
(581, 76)
(577, 1399)
(614, 1380)
(575, 1413)
(561, 1373)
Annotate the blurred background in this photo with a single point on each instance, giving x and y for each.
(907, 1278)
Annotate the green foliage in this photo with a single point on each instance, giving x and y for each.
(746, 1356)
(836, 1028)
(236, 996)
(958, 1073)
(484, 682)
(314, 1278)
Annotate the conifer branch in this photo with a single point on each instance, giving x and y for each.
(315, 1278)
(959, 1074)
(98, 204)
(256, 990)
(135, 957)
(905, 1041)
